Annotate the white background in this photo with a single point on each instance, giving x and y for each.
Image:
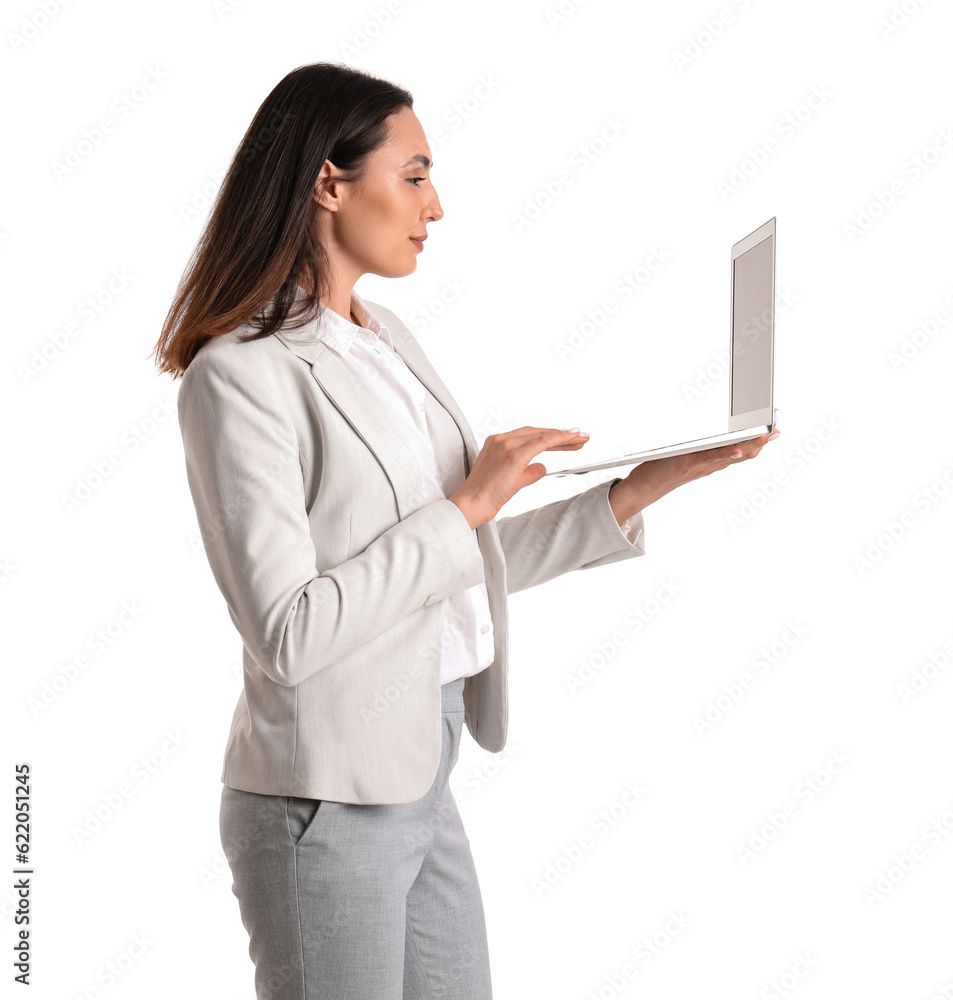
(851, 895)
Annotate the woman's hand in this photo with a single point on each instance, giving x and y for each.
(651, 480)
(501, 470)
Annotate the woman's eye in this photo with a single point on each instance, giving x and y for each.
(415, 180)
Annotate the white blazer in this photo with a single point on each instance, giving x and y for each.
(308, 503)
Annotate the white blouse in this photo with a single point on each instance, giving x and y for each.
(367, 352)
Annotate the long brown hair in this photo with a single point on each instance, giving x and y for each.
(260, 237)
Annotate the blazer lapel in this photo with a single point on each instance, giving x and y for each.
(488, 535)
(370, 420)
(365, 413)
(415, 359)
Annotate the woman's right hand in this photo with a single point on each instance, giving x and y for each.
(501, 469)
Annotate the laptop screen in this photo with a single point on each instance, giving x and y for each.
(752, 320)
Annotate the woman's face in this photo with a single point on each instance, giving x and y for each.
(369, 222)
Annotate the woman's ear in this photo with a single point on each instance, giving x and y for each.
(326, 191)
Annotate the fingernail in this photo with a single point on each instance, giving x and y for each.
(771, 437)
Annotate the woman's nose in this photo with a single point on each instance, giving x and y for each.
(436, 209)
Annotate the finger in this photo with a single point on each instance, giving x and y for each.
(570, 445)
(748, 449)
(524, 435)
(751, 450)
(535, 471)
(550, 439)
(529, 430)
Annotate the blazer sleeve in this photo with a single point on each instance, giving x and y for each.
(580, 532)
(244, 472)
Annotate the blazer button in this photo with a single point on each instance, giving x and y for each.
(484, 629)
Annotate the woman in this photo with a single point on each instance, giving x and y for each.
(350, 524)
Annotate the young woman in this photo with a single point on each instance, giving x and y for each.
(350, 523)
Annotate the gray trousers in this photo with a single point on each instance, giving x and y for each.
(370, 902)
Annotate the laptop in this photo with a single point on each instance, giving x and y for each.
(751, 368)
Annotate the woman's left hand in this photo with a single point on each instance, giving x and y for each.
(651, 480)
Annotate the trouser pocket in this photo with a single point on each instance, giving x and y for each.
(301, 813)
